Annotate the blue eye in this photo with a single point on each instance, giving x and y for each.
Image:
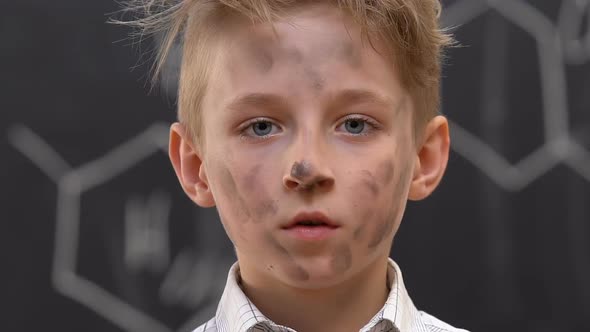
(354, 126)
(262, 128)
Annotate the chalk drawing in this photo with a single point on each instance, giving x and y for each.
(559, 146)
(71, 183)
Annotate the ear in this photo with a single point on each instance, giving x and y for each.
(189, 167)
(432, 158)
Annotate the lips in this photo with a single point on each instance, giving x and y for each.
(311, 219)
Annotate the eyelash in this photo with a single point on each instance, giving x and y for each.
(373, 125)
(248, 126)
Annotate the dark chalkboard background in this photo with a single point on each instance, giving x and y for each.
(97, 235)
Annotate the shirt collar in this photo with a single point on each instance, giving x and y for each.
(399, 310)
(236, 313)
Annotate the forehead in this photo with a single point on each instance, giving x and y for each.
(317, 33)
(315, 51)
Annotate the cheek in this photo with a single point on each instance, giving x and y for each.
(286, 261)
(255, 187)
(397, 200)
(228, 196)
(231, 206)
(383, 199)
(341, 259)
(365, 218)
(243, 193)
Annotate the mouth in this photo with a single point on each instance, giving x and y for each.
(311, 227)
(311, 220)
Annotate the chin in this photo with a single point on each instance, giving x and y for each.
(313, 276)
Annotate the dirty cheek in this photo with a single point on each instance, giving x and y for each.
(373, 184)
(341, 259)
(364, 218)
(383, 177)
(384, 229)
(385, 172)
(231, 190)
(358, 232)
(290, 266)
(264, 206)
(369, 182)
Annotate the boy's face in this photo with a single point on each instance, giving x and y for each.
(313, 124)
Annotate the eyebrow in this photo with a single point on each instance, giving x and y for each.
(257, 100)
(337, 99)
(360, 96)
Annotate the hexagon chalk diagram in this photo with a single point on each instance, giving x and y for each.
(71, 184)
(557, 45)
(559, 146)
(571, 17)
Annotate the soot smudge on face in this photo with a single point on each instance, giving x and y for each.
(265, 55)
(230, 184)
(277, 245)
(251, 178)
(292, 267)
(344, 50)
(358, 232)
(317, 81)
(370, 182)
(260, 54)
(350, 53)
(293, 55)
(341, 259)
(265, 206)
(385, 172)
(298, 272)
(301, 170)
(384, 229)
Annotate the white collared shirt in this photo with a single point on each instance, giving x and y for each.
(236, 313)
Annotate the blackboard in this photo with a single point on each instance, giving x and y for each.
(504, 244)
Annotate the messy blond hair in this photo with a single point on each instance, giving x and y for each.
(409, 28)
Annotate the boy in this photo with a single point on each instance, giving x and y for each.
(309, 124)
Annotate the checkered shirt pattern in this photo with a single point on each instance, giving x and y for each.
(236, 313)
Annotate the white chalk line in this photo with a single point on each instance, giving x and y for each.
(71, 184)
(38, 152)
(576, 47)
(558, 144)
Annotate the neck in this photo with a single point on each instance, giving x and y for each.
(347, 306)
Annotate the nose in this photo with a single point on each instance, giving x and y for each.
(304, 176)
(309, 171)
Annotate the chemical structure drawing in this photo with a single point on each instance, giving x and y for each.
(71, 183)
(559, 44)
(559, 146)
(576, 43)
(146, 232)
